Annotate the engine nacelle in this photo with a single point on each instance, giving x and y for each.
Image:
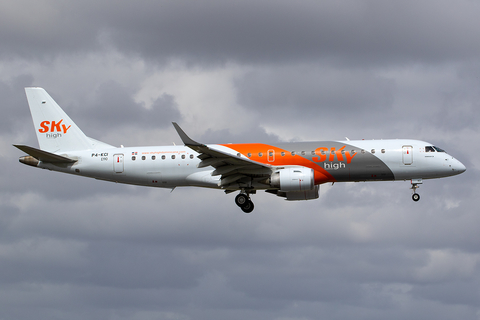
(300, 195)
(293, 179)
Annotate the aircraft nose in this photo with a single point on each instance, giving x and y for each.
(459, 167)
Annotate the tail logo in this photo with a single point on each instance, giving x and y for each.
(53, 129)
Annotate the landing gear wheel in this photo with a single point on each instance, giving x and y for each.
(248, 206)
(415, 186)
(241, 199)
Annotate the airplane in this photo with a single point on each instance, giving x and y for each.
(291, 170)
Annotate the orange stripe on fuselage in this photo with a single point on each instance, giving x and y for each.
(321, 175)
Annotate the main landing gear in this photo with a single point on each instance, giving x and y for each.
(243, 201)
(415, 186)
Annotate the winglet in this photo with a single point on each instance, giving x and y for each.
(186, 139)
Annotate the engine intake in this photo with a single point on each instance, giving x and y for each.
(293, 179)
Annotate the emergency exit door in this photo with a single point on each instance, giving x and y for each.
(118, 163)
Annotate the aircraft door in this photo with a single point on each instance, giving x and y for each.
(118, 163)
(407, 155)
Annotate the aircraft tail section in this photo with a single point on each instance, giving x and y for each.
(56, 132)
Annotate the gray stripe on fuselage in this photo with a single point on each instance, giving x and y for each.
(363, 166)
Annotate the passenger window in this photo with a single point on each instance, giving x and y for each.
(363, 150)
(249, 154)
(303, 153)
(153, 157)
(283, 154)
(133, 158)
(373, 150)
(163, 157)
(312, 153)
(183, 156)
(383, 150)
(270, 154)
(353, 152)
(191, 156)
(260, 154)
(239, 154)
(173, 156)
(293, 153)
(143, 157)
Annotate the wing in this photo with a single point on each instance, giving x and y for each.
(236, 171)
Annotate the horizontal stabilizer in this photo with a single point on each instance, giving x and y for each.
(44, 156)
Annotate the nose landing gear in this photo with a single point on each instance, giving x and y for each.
(415, 186)
(243, 201)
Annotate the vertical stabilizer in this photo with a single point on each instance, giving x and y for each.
(56, 132)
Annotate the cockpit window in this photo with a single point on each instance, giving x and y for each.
(438, 149)
(433, 149)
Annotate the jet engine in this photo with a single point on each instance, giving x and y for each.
(293, 179)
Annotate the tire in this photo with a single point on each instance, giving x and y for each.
(415, 197)
(241, 199)
(248, 207)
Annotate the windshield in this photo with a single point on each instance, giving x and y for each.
(438, 149)
(433, 149)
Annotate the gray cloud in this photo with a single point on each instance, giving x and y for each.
(77, 248)
(113, 107)
(250, 31)
(348, 32)
(299, 91)
(256, 134)
(11, 92)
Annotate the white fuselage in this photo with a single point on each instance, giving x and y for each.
(174, 166)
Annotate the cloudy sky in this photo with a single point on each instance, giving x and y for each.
(241, 71)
